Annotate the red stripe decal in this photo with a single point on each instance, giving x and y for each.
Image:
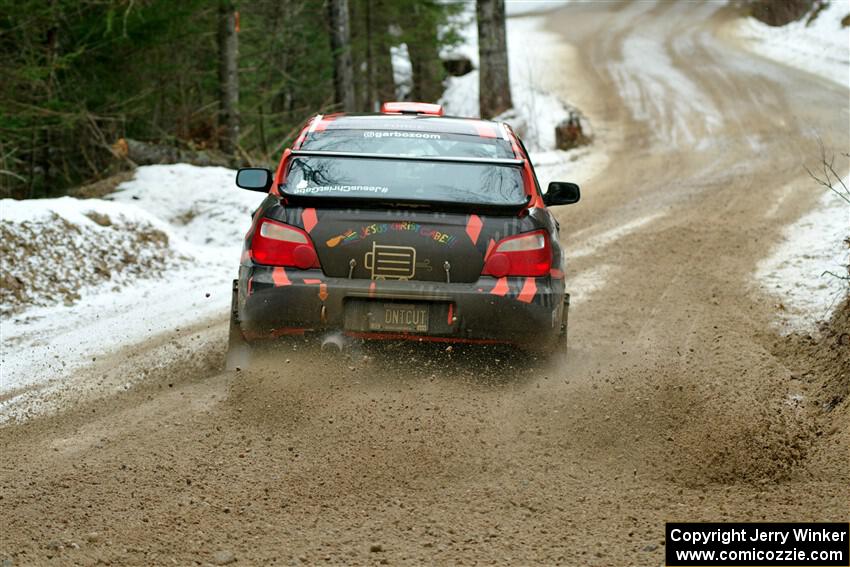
(372, 289)
(556, 274)
(529, 289)
(323, 291)
(308, 217)
(451, 312)
(322, 124)
(490, 246)
(279, 277)
(485, 130)
(473, 227)
(280, 173)
(501, 287)
(250, 285)
(312, 281)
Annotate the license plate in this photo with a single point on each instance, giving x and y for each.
(399, 317)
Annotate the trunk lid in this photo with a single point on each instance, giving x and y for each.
(406, 245)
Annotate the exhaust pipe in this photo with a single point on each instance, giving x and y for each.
(336, 339)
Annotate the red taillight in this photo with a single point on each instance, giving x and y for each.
(278, 244)
(527, 254)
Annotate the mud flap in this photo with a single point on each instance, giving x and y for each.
(238, 349)
(554, 350)
(557, 351)
(562, 338)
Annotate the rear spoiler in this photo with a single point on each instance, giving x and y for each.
(382, 203)
(449, 159)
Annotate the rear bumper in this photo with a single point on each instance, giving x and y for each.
(523, 311)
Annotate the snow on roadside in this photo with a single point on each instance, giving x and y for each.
(821, 46)
(177, 277)
(794, 272)
(202, 205)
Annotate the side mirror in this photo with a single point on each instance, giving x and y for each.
(561, 193)
(254, 179)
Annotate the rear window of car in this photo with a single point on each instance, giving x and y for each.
(405, 180)
(404, 140)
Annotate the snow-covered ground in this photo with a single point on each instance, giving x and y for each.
(794, 272)
(179, 275)
(820, 46)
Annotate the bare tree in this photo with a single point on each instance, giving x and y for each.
(829, 179)
(228, 76)
(341, 47)
(828, 176)
(494, 88)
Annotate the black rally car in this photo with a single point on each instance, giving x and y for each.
(404, 225)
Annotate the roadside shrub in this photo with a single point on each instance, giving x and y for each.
(781, 12)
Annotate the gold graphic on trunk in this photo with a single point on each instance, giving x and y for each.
(391, 262)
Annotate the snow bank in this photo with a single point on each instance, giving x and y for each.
(821, 46)
(82, 277)
(57, 250)
(201, 205)
(794, 272)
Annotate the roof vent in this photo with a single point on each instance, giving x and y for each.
(412, 108)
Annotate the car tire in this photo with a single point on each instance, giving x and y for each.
(238, 349)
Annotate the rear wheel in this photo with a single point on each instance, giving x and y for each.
(238, 349)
